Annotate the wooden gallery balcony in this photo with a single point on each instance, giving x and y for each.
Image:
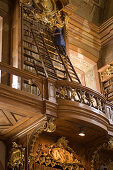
(25, 99)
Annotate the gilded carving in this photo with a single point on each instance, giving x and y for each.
(58, 154)
(98, 158)
(44, 11)
(31, 158)
(17, 156)
(107, 72)
(74, 93)
(45, 5)
(48, 126)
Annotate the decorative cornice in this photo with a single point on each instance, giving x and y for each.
(106, 32)
(82, 30)
(92, 36)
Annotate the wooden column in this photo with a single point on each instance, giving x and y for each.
(5, 14)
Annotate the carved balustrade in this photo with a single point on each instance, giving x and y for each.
(76, 92)
(109, 111)
(21, 80)
(52, 90)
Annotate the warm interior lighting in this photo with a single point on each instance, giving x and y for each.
(81, 133)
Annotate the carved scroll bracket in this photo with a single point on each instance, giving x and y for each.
(48, 126)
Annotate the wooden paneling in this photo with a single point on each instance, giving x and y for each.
(87, 38)
(84, 37)
(106, 32)
(12, 123)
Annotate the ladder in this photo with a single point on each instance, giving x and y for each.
(47, 65)
(70, 71)
(68, 65)
(43, 57)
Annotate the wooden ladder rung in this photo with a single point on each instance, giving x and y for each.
(60, 69)
(58, 61)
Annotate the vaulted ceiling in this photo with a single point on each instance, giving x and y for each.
(91, 10)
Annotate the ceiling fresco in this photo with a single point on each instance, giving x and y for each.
(93, 10)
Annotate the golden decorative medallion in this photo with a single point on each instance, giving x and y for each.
(17, 156)
(58, 154)
(63, 156)
(45, 5)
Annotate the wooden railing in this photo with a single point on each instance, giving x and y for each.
(109, 112)
(76, 92)
(81, 94)
(53, 90)
(21, 80)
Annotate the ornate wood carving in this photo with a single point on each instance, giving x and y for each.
(58, 154)
(48, 126)
(98, 158)
(75, 93)
(17, 156)
(44, 11)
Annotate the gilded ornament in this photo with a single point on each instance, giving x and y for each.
(95, 157)
(83, 96)
(110, 143)
(92, 100)
(45, 5)
(17, 156)
(58, 154)
(74, 93)
(50, 125)
(99, 104)
(45, 11)
(107, 72)
(62, 92)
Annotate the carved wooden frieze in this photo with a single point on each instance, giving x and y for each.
(58, 154)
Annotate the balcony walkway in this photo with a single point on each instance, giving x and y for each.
(35, 98)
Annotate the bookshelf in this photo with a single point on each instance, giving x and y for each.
(106, 77)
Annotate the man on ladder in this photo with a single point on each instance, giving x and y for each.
(59, 40)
